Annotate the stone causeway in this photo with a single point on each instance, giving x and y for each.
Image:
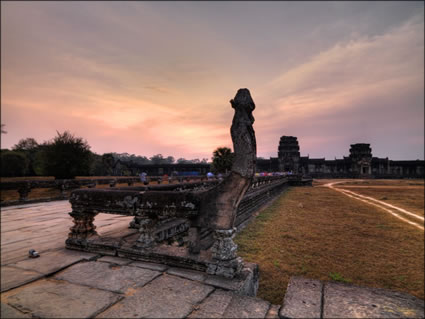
(66, 283)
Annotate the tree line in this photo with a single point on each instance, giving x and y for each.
(68, 156)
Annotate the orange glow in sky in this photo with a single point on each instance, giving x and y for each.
(156, 77)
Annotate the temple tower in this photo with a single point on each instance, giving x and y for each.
(361, 159)
(289, 154)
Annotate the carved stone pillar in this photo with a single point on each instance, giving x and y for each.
(83, 225)
(146, 239)
(226, 262)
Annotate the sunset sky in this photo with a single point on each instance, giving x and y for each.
(156, 77)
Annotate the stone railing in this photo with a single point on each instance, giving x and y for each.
(166, 219)
(24, 187)
(263, 190)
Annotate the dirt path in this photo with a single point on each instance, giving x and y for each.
(385, 206)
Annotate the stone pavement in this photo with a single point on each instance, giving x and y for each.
(72, 284)
(308, 298)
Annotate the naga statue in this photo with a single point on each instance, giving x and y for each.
(199, 216)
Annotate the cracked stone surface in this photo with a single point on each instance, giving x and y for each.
(53, 261)
(12, 277)
(187, 273)
(349, 301)
(107, 276)
(302, 299)
(214, 306)
(147, 265)
(115, 260)
(224, 304)
(56, 299)
(246, 307)
(10, 312)
(165, 297)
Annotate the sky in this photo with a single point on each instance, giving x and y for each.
(157, 77)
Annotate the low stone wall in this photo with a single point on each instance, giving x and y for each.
(262, 191)
(66, 185)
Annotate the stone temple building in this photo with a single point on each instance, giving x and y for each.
(360, 163)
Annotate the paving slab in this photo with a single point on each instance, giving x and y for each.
(115, 260)
(245, 284)
(10, 312)
(151, 266)
(12, 277)
(214, 306)
(107, 276)
(303, 299)
(225, 304)
(350, 301)
(53, 261)
(165, 297)
(55, 299)
(246, 307)
(187, 273)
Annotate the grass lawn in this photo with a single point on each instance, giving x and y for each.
(321, 234)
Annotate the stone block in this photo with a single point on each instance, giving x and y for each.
(151, 266)
(55, 299)
(246, 307)
(12, 277)
(53, 261)
(187, 273)
(214, 306)
(10, 312)
(302, 299)
(349, 301)
(115, 260)
(244, 284)
(165, 297)
(106, 276)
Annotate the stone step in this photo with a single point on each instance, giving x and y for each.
(225, 304)
(307, 298)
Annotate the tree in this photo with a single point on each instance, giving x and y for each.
(26, 144)
(13, 163)
(182, 160)
(222, 160)
(157, 159)
(67, 156)
(29, 147)
(169, 160)
(108, 161)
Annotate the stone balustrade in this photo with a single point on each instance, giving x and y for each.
(24, 187)
(164, 214)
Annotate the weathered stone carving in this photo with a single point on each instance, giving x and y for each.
(219, 205)
(83, 225)
(199, 217)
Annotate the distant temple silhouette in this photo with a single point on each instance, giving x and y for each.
(359, 164)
